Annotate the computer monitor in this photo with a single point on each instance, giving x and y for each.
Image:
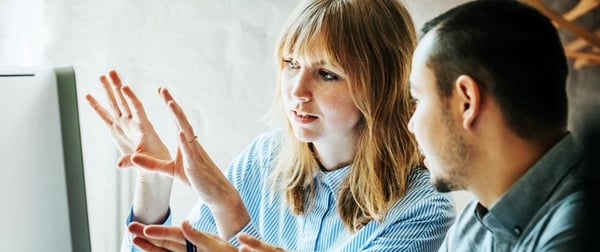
(42, 187)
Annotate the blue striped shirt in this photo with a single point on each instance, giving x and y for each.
(417, 222)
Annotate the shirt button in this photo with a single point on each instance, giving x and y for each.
(517, 230)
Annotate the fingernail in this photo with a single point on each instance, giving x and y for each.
(151, 232)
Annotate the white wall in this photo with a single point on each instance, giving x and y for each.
(217, 57)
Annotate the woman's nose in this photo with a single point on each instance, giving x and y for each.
(302, 87)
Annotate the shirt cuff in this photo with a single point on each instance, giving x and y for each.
(131, 217)
(249, 229)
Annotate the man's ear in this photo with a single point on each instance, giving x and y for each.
(468, 95)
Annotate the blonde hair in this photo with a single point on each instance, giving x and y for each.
(373, 42)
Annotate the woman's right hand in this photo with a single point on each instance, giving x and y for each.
(133, 133)
(129, 126)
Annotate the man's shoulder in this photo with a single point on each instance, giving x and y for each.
(558, 225)
(562, 212)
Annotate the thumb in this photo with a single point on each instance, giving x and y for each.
(251, 243)
(204, 241)
(153, 164)
(124, 161)
(188, 231)
(194, 235)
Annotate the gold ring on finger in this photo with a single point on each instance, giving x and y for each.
(194, 139)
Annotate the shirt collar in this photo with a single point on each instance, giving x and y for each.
(334, 179)
(527, 195)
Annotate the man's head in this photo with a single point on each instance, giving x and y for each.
(496, 50)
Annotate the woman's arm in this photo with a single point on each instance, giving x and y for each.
(133, 133)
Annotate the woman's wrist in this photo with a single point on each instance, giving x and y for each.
(230, 216)
(151, 198)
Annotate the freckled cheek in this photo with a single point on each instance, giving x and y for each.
(341, 111)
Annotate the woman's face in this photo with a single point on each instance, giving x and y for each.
(317, 101)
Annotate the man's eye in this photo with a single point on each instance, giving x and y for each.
(291, 63)
(327, 76)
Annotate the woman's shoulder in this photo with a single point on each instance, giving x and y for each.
(421, 194)
(260, 152)
(265, 145)
(269, 138)
(419, 177)
(253, 164)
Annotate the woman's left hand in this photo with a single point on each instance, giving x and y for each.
(208, 181)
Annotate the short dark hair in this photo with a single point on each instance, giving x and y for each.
(513, 52)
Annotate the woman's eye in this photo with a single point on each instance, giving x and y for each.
(291, 63)
(327, 76)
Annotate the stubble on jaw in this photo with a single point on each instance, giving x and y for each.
(445, 185)
(455, 154)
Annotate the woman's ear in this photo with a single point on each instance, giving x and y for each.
(469, 97)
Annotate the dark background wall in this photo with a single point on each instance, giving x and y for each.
(584, 118)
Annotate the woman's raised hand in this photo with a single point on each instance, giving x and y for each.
(129, 126)
(209, 183)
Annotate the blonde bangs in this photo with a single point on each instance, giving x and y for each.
(309, 38)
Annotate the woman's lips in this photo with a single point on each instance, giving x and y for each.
(303, 117)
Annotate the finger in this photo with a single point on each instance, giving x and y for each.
(195, 154)
(116, 84)
(205, 241)
(251, 243)
(136, 229)
(180, 117)
(193, 150)
(99, 109)
(192, 154)
(111, 96)
(136, 105)
(166, 233)
(162, 245)
(153, 243)
(184, 144)
(147, 245)
(165, 94)
(182, 121)
(244, 248)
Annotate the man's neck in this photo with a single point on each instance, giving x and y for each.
(504, 160)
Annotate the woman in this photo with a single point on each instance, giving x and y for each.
(343, 171)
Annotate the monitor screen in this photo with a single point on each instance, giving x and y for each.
(42, 187)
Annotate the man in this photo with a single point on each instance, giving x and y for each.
(489, 81)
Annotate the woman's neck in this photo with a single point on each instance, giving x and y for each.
(333, 156)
